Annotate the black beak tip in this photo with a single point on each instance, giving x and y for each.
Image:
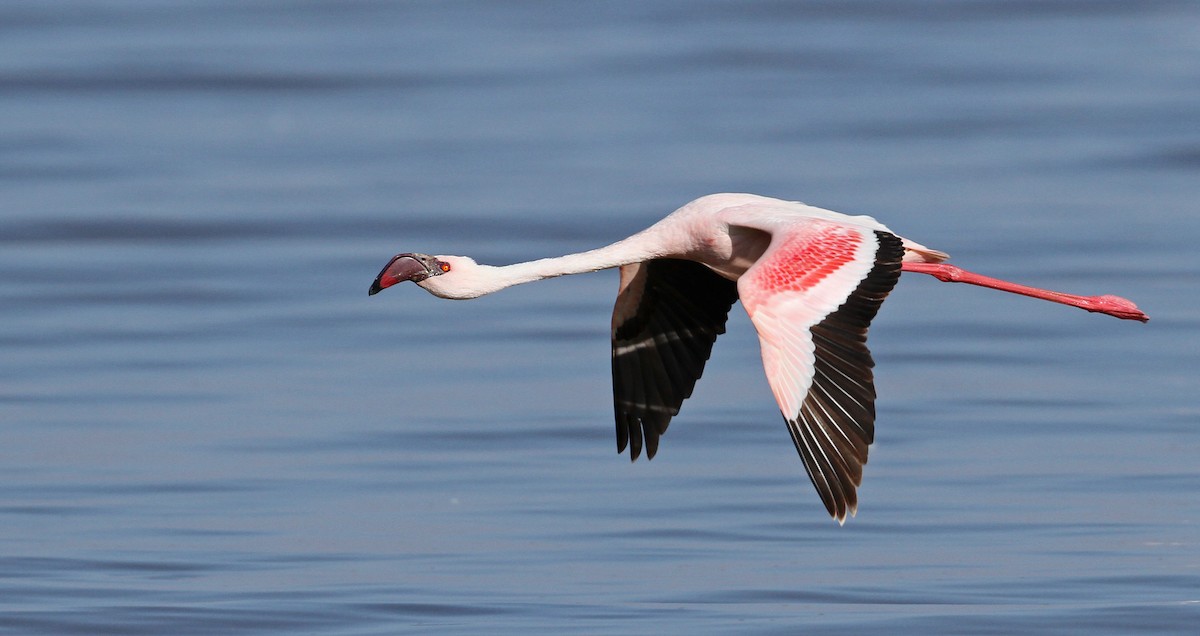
(402, 267)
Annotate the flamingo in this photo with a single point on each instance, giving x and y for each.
(811, 281)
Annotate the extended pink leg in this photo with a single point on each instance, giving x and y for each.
(1111, 305)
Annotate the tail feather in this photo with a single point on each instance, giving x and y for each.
(917, 253)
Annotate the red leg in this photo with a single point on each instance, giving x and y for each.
(1111, 305)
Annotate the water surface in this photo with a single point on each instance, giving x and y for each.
(207, 426)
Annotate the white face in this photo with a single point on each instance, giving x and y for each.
(463, 280)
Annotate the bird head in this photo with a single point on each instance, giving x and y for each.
(443, 276)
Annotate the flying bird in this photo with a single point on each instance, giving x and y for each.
(811, 281)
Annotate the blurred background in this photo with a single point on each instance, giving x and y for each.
(207, 426)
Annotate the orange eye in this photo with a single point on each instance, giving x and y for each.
(445, 267)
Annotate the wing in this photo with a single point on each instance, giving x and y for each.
(668, 314)
(811, 298)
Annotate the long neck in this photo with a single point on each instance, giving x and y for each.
(634, 249)
(639, 247)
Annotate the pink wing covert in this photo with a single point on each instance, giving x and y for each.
(811, 297)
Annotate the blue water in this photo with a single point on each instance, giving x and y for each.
(206, 426)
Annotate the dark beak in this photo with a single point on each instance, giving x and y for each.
(402, 267)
